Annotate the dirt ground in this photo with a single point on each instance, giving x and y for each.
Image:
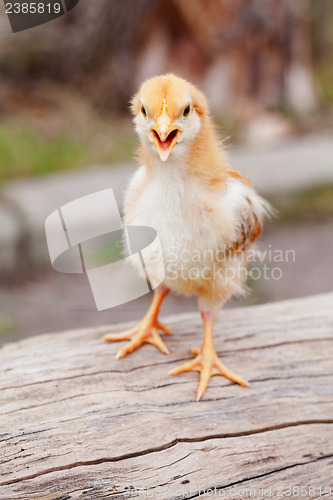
(53, 301)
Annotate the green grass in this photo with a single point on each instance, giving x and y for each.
(229, 128)
(313, 204)
(124, 148)
(6, 324)
(23, 153)
(106, 254)
(324, 76)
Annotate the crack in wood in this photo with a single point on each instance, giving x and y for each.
(127, 430)
(160, 386)
(4, 437)
(279, 344)
(168, 362)
(290, 377)
(259, 476)
(166, 446)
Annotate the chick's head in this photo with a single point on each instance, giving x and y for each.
(168, 114)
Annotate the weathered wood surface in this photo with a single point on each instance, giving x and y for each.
(76, 423)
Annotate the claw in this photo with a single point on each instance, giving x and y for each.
(208, 364)
(145, 332)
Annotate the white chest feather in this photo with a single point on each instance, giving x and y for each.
(193, 222)
(183, 212)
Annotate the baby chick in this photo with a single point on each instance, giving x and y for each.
(206, 215)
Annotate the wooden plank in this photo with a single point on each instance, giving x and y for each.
(76, 423)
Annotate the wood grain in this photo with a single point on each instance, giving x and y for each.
(78, 424)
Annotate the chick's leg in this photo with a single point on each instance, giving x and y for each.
(146, 330)
(206, 361)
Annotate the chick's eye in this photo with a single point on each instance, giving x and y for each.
(143, 111)
(186, 110)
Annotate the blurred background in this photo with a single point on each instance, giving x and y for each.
(266, 67)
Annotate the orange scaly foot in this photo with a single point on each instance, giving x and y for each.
(207, 363)
(146, 330)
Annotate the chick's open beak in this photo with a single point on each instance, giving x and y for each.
(165, 136)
